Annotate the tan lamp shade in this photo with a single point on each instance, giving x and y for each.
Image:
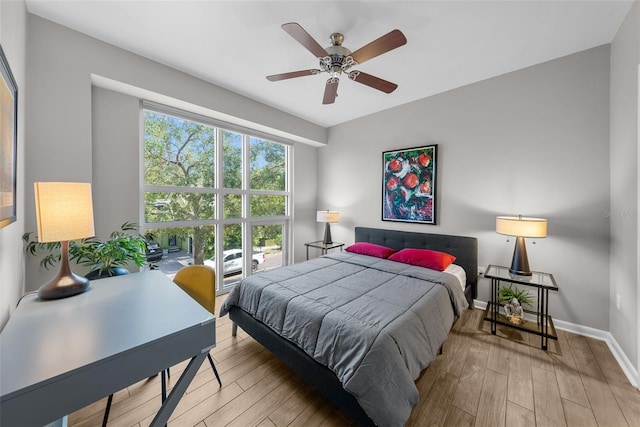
(64, 211)
(328, 216)
(521, 226)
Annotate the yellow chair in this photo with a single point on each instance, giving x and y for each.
(199, 281)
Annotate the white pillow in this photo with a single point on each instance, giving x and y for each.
(459, 272)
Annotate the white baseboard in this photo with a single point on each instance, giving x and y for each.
(625, 364)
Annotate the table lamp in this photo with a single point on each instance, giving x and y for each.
(521, 227)
(327, 217)
(64, 211)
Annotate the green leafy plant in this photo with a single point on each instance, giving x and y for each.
(123, 246)
(507, 294)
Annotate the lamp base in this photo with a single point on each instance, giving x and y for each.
(63, 287)
(66, 283)
(520, 273)
(520, 262)
(327, 235)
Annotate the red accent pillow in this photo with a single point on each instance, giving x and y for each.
(424, 258)
(371, 249)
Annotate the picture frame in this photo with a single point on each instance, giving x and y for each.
(8, 142)
(409, 183)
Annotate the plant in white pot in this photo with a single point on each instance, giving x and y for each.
(104, 258)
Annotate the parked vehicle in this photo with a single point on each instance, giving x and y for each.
(232, 261)
(154, 251)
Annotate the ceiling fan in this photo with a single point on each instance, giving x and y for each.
(337, 59)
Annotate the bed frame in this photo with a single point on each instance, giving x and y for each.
(465, 249)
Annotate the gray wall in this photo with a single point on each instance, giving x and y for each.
(65, 144)
(625, 273)
(13, 36)
(115, 130)
(532, 142)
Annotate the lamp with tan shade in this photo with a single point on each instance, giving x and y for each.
(327, 217)
(521, 227)
(64, 212)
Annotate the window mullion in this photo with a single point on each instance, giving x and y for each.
(247, 246)
(219, 211)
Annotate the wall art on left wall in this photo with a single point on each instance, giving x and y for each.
(409, 185)
(8, 142)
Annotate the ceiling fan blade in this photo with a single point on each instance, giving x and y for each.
(331, 91)
(389, 41)
(372, 81)
(293, 74)
(297, 32)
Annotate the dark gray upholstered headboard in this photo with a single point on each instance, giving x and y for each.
(465, 249)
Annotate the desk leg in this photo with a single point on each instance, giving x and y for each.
(307, 252)
(169, 405)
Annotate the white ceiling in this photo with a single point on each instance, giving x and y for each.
(235, 44)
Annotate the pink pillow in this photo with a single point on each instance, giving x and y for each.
(371, 249)
(424, 258)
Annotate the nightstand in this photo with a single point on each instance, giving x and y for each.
(318, 244)
(537, 322)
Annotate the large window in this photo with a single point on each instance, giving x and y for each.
(211, 188)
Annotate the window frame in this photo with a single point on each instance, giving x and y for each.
(246, 221)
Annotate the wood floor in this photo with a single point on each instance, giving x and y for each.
(479, 380)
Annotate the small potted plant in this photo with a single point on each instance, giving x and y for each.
(513, 300)
(103, 258)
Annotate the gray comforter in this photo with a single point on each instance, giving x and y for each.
(375, 323)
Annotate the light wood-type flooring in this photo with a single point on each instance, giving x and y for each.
(479, 380)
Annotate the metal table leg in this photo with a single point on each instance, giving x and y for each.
(494, 311)
(545, 319)
(169, 405)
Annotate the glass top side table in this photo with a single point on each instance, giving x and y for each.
(319, 244)
(536, 322)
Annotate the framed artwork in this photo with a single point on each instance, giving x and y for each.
(8, 142)
(409, 185)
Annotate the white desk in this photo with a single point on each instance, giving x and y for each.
(58, 356)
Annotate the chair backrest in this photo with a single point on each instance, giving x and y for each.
(199, 281)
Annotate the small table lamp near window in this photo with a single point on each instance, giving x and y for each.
(64, 211)
(327, 217)
(521, 227)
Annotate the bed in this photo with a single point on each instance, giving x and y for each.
(363, 353)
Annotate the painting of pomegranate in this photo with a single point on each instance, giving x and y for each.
(408, 190)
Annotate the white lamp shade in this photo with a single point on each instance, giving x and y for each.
(64, 211)
(328, 216)
(521, 226)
